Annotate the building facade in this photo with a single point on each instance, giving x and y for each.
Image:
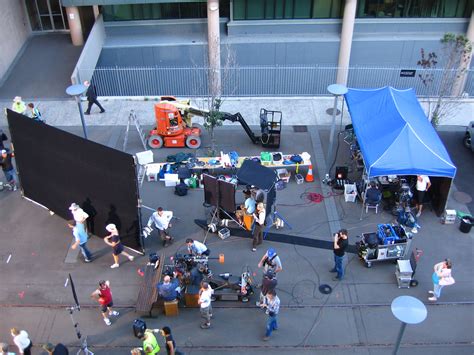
(256, 33)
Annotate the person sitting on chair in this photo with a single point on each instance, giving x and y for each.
(373, 195)
(169, 290)
(247, 208)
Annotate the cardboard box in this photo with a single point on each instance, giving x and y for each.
(171, 308)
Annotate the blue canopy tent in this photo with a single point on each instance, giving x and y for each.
(396, 138)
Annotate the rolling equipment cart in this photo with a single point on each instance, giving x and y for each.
(405, 270)
(389, 242)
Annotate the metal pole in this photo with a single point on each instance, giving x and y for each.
(78, 100)
(331, 136)
(399, 338)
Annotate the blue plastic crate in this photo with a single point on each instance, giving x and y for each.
(386, 234)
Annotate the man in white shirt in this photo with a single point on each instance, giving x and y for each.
(205, 298)
(423, 183)
(162, 221)
(197, 248)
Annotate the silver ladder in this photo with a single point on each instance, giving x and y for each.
(132, 118)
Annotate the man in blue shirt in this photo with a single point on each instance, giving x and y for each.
(80, 239)
(169, 290)
(247, 208)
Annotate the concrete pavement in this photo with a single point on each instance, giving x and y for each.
(355, 318)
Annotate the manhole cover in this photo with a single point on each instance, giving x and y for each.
(329, 111)
(462, 197)
(300, 129)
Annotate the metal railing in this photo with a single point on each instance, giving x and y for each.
(263, 81)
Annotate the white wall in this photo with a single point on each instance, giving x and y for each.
(90, 53)
(14, 31)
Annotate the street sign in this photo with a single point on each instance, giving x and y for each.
(407, 73)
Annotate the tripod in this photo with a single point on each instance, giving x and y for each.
(84, 349)
(275, 216)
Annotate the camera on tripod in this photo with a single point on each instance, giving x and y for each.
(405, 194)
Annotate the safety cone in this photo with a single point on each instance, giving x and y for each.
(309, 175)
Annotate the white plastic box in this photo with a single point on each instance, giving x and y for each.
(284, 175)
(350, 192)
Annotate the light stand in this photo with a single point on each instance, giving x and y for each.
(275, 215)
(84, 349)
(337, 90)
(408, 310)
(76, 91)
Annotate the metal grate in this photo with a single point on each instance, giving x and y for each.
(300, 129)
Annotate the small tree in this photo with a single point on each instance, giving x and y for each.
(212, 120)
(454, 57)
(214, 98)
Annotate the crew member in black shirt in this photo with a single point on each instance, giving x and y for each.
(8, 169)
(340, 244)
(170, 343)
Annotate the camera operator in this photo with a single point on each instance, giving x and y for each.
(197, 248)
(270, 261)
(340, 244)
(169, 290)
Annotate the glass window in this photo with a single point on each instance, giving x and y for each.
(160, 11)
(286, 9)
(302, 8)
(415, 8)
(239, 9)
(255, 10)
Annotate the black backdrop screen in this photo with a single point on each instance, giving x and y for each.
(221, 191)
(57, 168)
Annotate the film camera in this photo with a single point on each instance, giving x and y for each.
(183, 264)
(405, 194)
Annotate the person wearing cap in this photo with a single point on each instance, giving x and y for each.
(162, 221)
(18, 105)
(91, 95)
(259, 217)
(113, 239)
(269, 283)
(150, 344)
(80, 217)
(8, 168)
(270, 261)
(248, 208)
(103, 295)
(58, 349)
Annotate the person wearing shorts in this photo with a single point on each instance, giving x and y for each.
(113, 239)
(423, 183)
(103, 295)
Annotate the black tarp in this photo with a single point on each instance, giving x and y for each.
(253, 173)
(57, 168)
